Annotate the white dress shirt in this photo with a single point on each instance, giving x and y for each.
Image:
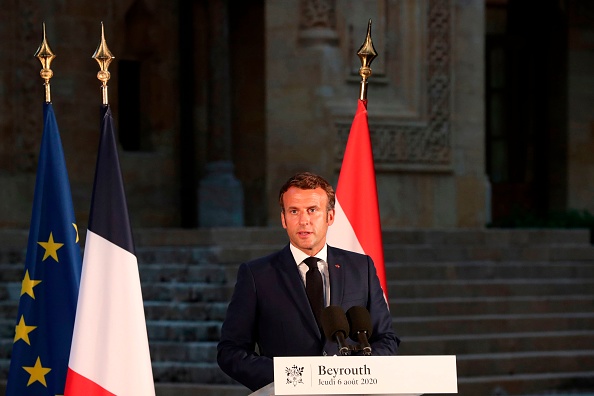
(322, 255)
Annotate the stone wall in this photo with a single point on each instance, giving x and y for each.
(294, 93)
(425, 105)
(73, 31)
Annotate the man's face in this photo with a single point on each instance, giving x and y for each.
(305, 218)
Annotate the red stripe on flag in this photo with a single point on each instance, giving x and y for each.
(357, 192)
(76, 384)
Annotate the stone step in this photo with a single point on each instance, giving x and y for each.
(184, 292)
(240, 254)
(6, 347)
(224, 236)
(188, 352)
(149, 273)
(183, 331)
(440, 306)
(168, 291)
(7, 328)
(189, 389)
(12, 272)
(175, 310)
(536, 384)
(489, 287)
(438, 253)
(154, 310)
(196, 372)
(158, 330)
(486, 324)
(532, 362)
(461, 344)
(177, 255)
(397, 289)
(488, 270)
(182, 272)
(486, 237)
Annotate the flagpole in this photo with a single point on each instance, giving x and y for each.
(367, 54)
(103, 56)
(45, 56)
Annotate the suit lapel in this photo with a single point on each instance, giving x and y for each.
(293, 285)
(336, 271)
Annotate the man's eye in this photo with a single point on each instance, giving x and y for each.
(312, 210)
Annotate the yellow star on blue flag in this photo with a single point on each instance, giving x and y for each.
(37, 373)
(22, 331)
(28, 284)
(51, 248)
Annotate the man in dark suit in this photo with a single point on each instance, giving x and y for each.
(270, 307)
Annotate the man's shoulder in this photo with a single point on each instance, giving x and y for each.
(338, 252)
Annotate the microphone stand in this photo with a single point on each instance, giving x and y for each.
(365, 347)
(343, 348)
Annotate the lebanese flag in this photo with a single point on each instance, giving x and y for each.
(357, 225)
(110, 351)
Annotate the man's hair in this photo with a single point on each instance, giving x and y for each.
(307, 181)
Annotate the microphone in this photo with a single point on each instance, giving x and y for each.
(361, 327)
(336, 327)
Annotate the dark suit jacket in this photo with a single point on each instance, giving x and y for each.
(269, 307)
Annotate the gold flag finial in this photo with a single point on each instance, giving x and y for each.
(367, 54)
(103, 56)
(45, 56)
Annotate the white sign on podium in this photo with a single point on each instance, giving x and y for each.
(363, 375)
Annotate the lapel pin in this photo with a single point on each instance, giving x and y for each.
(337, 265)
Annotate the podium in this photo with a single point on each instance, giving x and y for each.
(362, 375)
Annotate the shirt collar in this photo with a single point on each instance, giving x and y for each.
(299, 256)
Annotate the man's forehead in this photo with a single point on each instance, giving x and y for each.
(308, 197)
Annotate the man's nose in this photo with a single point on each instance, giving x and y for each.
(303, 218)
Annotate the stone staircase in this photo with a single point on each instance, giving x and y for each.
(516, 307)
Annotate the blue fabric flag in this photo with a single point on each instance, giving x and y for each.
(49, 291)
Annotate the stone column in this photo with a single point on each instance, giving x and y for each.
(220, 194)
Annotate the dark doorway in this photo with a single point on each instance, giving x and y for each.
(526, 110)
(247, 96)
(248, 71)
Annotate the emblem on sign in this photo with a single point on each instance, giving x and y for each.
(294, 375)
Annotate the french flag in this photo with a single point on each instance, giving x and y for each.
(110, 351)
(357, 225)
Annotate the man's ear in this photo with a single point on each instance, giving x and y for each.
(330, 217)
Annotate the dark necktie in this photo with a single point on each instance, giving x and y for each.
(314, 287)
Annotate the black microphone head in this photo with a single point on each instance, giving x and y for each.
(359, 321)
(333, 321)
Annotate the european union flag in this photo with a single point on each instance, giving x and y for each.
(49, 291)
